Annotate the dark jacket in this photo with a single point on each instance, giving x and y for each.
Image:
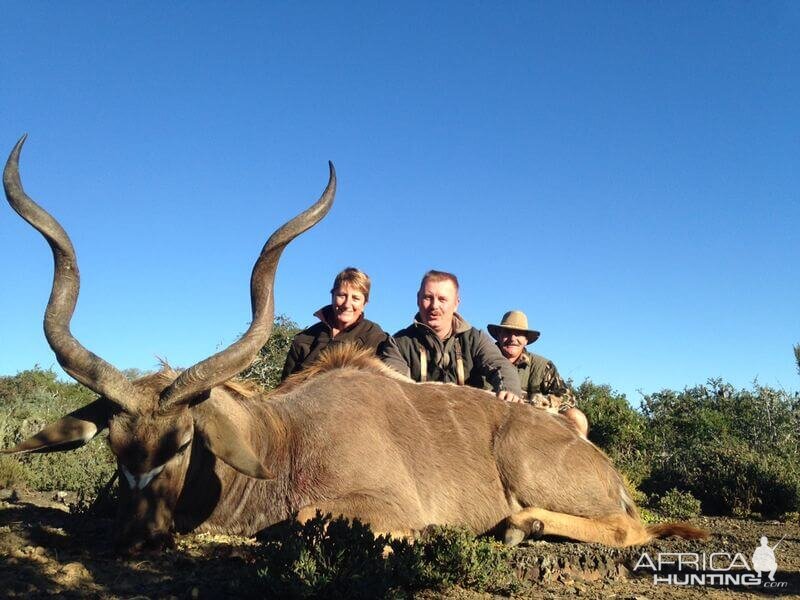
(308, 344)
(481, 358)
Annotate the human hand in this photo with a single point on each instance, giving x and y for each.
(508, 396)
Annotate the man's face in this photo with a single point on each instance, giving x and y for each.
(512, 343)
(437, 302)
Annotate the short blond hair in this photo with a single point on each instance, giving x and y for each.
(354, 278)
(434, 275)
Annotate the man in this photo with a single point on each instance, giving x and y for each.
(541, 384)
(441, 346)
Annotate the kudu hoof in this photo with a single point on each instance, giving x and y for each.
(515, 533)
(513, 536)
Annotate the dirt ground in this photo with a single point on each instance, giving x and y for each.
(47, 552)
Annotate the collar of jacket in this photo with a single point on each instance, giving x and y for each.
(325, 315)
(460, 325)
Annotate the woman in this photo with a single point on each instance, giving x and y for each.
(342, 321)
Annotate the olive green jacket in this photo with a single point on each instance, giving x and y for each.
(539, 377)
(307, 345)
(481, 359)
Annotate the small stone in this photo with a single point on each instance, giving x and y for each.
(195, 593)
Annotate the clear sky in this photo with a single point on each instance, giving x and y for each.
(627, 173)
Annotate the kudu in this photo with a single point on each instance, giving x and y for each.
(347, 436)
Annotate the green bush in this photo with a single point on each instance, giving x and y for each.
(791, 517)
(797, 356)
(735, 450)
(86, 469)
(324, 558)
(267, 367)
(732, 480)
(329, 558)
(12, 472)
(617, 428)
(679, 505)
(33, 399)
(448, 556)
(764, 419)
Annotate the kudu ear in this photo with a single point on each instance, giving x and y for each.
(225, 441)
(69, 432)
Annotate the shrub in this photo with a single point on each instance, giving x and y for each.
(86, 469)
(324, 558)
(764, 419)
(617, 428)
(336, 558)
(735, 450)
(796, 349)
(34, 399)
(791, 517)
(648, 517)
(679, 505)
(267, 367)
(102, 503)
(732, 480)
(447, 556)
(12, 472)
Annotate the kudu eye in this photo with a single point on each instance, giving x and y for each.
(181, 449)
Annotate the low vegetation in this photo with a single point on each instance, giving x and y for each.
(268, 364)
(676, 504)
(736, 451)
(32, 399)
(334, 558)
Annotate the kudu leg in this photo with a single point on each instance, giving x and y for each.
(382, 517)
(615, 530)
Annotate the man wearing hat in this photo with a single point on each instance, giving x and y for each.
(541, 384)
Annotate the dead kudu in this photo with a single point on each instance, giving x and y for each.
(198, 452)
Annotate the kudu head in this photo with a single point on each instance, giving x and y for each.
(154, 421)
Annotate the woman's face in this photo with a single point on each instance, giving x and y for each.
(348, 305)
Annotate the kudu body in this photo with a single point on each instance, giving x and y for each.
(199, 452)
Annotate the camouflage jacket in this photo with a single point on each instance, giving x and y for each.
(417, 345)
(541, 383)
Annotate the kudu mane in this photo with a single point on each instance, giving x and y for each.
(341, 356)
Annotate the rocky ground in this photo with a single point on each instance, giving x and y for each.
(46, 551)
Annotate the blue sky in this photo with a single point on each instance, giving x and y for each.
(626, 173)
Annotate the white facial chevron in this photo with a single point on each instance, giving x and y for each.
(140, 481)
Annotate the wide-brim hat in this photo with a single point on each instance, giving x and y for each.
(515, 320)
